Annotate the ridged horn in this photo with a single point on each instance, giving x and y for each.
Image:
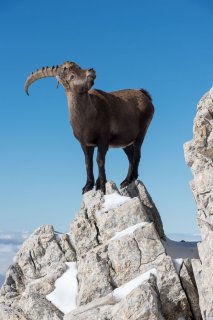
(41, 73)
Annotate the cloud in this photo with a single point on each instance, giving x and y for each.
(10, 243)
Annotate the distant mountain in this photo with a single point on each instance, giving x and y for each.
(184, 237)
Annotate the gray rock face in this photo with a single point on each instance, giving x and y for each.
(199, 156)
(141, 303)
(91, 227)
(118, 237)
(38, 264)
(125, 269)
(189, 285)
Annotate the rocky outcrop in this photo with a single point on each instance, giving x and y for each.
(141, 303)
(199, 156)
(117, 243)
(39, 263)
(126, 267)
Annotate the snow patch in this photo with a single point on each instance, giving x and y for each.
(128, 230)
(177, 264)
(15, 258)
(126, 288)
(58, 236)
(66, 288)
(112, 201)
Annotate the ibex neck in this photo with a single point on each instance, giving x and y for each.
(79, 105)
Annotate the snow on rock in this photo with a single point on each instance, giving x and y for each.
(181, 249)
(126, 288)
(114, 200)
(66, 288)
(177, 264)
(58, 236)
(129, 230)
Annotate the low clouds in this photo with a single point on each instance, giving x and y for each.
(10, 243)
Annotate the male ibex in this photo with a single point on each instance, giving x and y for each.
(100, 119)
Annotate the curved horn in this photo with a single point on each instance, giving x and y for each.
(41, 73)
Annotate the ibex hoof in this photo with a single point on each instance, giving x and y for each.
(126, 182)
(100, 186)
(87, 187)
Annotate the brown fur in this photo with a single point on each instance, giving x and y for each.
(100, 119)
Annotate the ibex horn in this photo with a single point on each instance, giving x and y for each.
(41, 73)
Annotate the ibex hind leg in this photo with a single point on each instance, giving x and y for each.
(137, 153)
(129, 151)
(136, 160)
(133, 153)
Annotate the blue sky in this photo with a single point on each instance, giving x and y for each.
(161, 45)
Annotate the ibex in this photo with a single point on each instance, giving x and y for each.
(118, 119)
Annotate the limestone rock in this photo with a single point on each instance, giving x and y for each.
(39, 262)
(124, 268)
(36, 306)
(199, 156)
(188, 283)
(91, 227)
(7, 313)
(137, 189)
(141, 303)
(129, 253)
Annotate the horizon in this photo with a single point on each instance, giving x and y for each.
(11, 242)
(160, 46)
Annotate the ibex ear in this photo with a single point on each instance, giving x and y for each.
(71, 77)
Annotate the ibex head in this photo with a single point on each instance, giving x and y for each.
(69, 74)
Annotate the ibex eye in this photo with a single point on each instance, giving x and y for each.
(72, 76)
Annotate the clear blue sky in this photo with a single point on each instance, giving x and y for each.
(163, 46)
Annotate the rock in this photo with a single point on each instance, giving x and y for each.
(199, 156)
(40, 261)
(91, 227)
(137, 189)
(141, 303)
(7, 313)
(94, 276)
(125, 256)
(124, 266)
(189, 286)
(36, 306)
(64, 242)
(100, 309)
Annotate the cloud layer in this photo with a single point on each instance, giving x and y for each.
(10, 242)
